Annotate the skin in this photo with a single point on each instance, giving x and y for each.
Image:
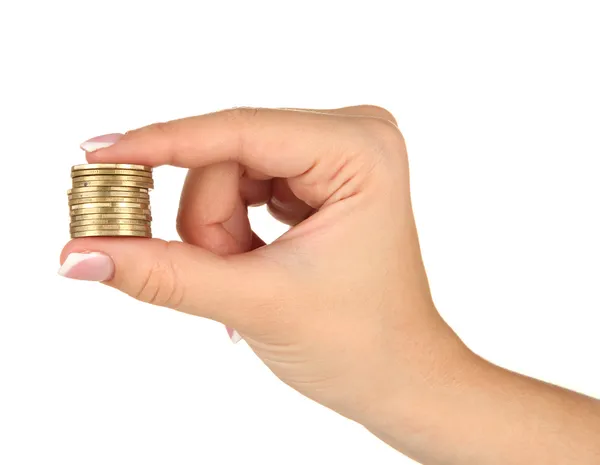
(339, 307)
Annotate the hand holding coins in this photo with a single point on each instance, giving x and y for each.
(110, 200)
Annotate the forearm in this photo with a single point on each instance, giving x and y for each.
(487, 415)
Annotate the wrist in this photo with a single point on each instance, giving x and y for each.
(473, 411)
(414, 410)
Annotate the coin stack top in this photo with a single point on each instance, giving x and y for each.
(110, 200)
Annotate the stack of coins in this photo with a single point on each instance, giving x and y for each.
(110, 200)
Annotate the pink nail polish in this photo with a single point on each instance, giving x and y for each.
(233, 335)
(92, 266)
(100, 142)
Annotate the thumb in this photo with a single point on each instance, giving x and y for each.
(175, 275)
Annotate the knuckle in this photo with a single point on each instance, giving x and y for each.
(160, 127)
(379, 112)
(162, 286)
(387, 137)
(242, 119)
(150, 286)
(241, 114)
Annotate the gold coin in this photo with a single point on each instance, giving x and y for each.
(103, 227)
(111, 195)
(112, 177)
(111, 166)
(115, 183)
(110, 216)
(109, 231)
(131, 233)
(109, 227)
(107, 196)
(110, 199)
(113, 221)
(143, 225)
(84, 206)
(107, 190)
(111, 172)
(87, 211)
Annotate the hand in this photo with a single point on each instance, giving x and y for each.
(339, 307)
(335, 302)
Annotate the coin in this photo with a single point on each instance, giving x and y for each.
(135, 197)
(83, 206)
(112, 177)
(111, 172)
(110, 199)
(115, 183)
(110, 216)
(108, 227)
(115, 232)
(109, 230)
(113, 221)
(136, 211)
(111, 166)
(107, 189)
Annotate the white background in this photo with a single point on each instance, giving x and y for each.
(498, 102)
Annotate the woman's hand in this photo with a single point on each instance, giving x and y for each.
(339, 307)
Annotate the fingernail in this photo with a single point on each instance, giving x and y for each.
(100, 142)
(234, 335)
(92, 266)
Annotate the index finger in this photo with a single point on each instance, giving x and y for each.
(278, 143)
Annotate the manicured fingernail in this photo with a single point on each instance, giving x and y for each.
(92, 266)
(234, 335)
(100, 142)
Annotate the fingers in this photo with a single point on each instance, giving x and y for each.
(253, 137)
(255, 188)
(213, 207)
(255, 193)
(277, 143)
(174, 275)
(272, 143)
(211, 212)
(285, 206)
(314, 157)
(210, 195)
